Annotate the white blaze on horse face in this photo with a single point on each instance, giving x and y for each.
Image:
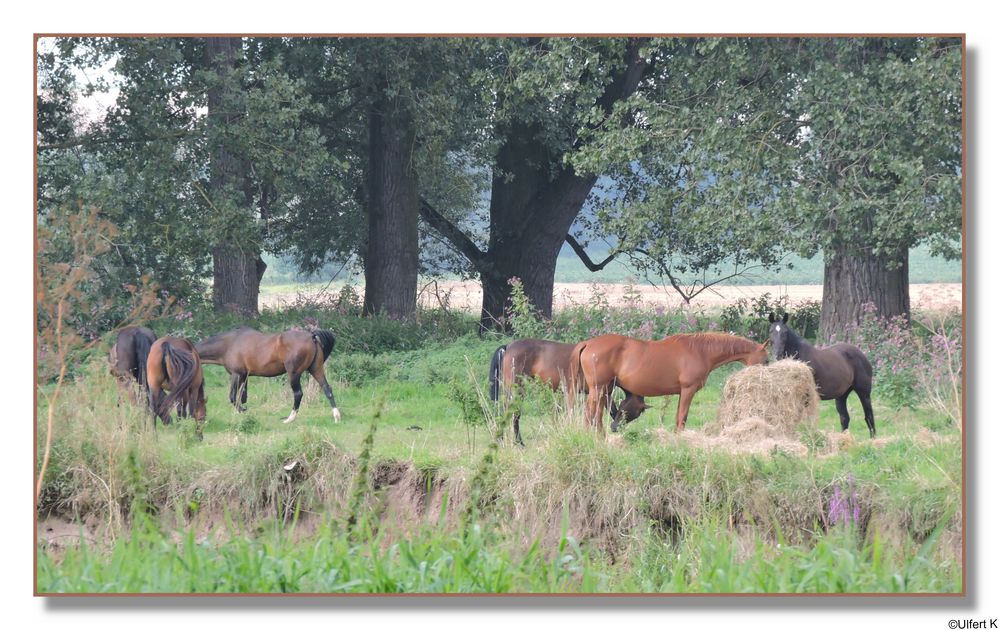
(336, 415)
(291, 418)
(777, 328)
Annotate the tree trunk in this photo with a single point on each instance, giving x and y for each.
(237, 267)
(530, 214)
(854, 279)
(391, 261)
(236, 280)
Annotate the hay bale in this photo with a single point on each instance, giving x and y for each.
(766, 402)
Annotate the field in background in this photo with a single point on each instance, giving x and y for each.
(923, 269)
(467, 295)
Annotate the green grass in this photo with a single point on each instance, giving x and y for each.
(570, 512)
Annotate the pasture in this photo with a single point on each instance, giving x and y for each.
(411, 492)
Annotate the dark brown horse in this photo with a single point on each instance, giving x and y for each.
(128, 358)
(244, 352)
(173, 365)
(838, 370)
(679, 364)
(547, 361)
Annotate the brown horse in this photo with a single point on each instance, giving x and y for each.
(173, 365)
(679, 364)
(838, 370)
(128, 358)
(244, 352)
(547, 361)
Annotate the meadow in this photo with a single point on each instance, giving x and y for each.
(420, 488)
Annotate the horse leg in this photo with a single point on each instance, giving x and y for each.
(319, 374)
(243, 387)
(865, 400)
(233, 388)
(595, 404)
(516, 429)
(296, 388)
(154, 401)
(683, 408)
(844, 415)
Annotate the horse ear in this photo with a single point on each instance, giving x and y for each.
(772, 318)
(765, 344)
(784, 319)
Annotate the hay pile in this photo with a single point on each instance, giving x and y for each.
(762, 406)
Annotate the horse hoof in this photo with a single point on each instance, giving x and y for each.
(291, 418)
(336, 416)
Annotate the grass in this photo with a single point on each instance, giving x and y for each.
(570, 512)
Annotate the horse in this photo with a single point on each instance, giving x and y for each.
(838, 370)
(128, 356)
(173, 364)
(678, 364)
(547, 361)
(245, 352)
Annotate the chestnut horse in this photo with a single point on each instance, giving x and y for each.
(838, 370)
(547, 361)
(173, 364)
(128, 358)
(244, 352)
(679, 364)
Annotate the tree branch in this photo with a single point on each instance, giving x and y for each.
(583, 256)
(454, 235)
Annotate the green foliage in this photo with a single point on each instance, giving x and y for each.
(523, 317)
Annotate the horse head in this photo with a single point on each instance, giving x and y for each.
(761, 355)
(780, 335)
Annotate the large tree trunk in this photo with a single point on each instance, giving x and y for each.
(237, 267)
(391, 261)
(530, 214)
(854, 279)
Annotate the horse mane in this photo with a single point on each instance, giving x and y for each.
(721, 342)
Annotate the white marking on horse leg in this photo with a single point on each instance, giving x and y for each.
(291, 418)
(336, 415)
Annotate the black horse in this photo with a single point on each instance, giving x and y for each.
(838, 370)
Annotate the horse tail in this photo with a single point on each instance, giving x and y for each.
(577, 382)
(326, 341)
(496, 373)
(142, 347)
(184, 368)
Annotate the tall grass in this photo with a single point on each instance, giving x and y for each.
(418, 507)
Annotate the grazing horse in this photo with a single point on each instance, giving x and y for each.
(547, 361)
(128, 358)
(173, 365)
(838, 370)
(679, 364)
(244, 352)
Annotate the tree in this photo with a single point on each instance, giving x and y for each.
(754, 148)
(877, 170)
(236, 261)
(688, 184)
(203, 151)
(544, 94)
